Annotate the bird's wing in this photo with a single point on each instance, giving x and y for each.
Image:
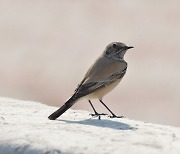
(100, 76)
(88, 88)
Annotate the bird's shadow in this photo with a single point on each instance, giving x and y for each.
(104, 123)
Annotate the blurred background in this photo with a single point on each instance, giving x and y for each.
(47, 46)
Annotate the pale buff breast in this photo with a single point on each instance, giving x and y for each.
(103, 91)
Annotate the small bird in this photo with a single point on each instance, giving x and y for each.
(102, 77)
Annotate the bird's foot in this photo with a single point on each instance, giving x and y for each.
(115, 116)
(97, 114)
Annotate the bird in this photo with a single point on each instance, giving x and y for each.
(101, 78)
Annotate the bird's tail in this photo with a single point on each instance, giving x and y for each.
(62, 109)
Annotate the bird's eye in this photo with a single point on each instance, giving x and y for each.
(114, 46)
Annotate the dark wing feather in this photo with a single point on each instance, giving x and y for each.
(85, 89)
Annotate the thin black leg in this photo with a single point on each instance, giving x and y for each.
(95, 112)
(113, 115)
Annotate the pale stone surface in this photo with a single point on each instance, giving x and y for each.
(25, 129)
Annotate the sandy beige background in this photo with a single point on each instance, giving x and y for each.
(47, 46)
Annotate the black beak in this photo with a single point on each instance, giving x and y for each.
(126, 48)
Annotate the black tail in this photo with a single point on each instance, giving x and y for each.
(62, 109)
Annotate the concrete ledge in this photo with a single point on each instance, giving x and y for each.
(25, 129)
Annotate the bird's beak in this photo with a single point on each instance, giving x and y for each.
(129, 47)
(126, 47)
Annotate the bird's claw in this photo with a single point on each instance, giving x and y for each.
(97, 114)
(115, 116)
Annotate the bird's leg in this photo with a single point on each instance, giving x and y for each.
(95, 112)
(113, 115)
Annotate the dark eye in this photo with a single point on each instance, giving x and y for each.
(114, 46)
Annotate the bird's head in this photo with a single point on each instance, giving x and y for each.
(116, 50)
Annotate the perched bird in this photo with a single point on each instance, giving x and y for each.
(103, 76)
